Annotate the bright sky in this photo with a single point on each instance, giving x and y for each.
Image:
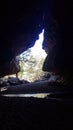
(37, 48)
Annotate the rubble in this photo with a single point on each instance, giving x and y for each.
(11, 81)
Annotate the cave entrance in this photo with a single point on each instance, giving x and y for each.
(31, 61)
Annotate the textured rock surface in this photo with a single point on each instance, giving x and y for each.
(12, 81)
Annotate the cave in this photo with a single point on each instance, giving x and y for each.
(20, 24)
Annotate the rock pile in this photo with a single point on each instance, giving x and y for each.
(11, 81)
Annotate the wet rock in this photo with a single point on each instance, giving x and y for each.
(16, 81)
(13, 81)
(23, 81)
(4, 83)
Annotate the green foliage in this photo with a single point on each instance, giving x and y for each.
(30, 66)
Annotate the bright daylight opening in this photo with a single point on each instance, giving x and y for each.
(37, 48)
(31, 61)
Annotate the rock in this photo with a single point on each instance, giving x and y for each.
(23, 81)
(13, 81)
(4, 83)
(16, 81)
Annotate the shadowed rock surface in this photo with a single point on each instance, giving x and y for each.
(35, 114)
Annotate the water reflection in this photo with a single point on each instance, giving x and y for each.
(39, 95)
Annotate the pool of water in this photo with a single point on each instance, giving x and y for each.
(38, 95)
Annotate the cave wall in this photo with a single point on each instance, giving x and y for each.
(59, 37)
(20, 24)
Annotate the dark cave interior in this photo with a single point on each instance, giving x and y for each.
(20, 24)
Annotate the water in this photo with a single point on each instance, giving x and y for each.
(38, 95)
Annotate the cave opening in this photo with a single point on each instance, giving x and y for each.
(31, 61)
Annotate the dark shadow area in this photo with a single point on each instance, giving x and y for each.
(35, 114)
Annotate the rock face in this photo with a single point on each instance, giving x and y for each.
(20, 24)
(10, 68)
(58, 41)
(59, 37)
(12, 81)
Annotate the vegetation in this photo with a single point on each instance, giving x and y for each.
(30, 66)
